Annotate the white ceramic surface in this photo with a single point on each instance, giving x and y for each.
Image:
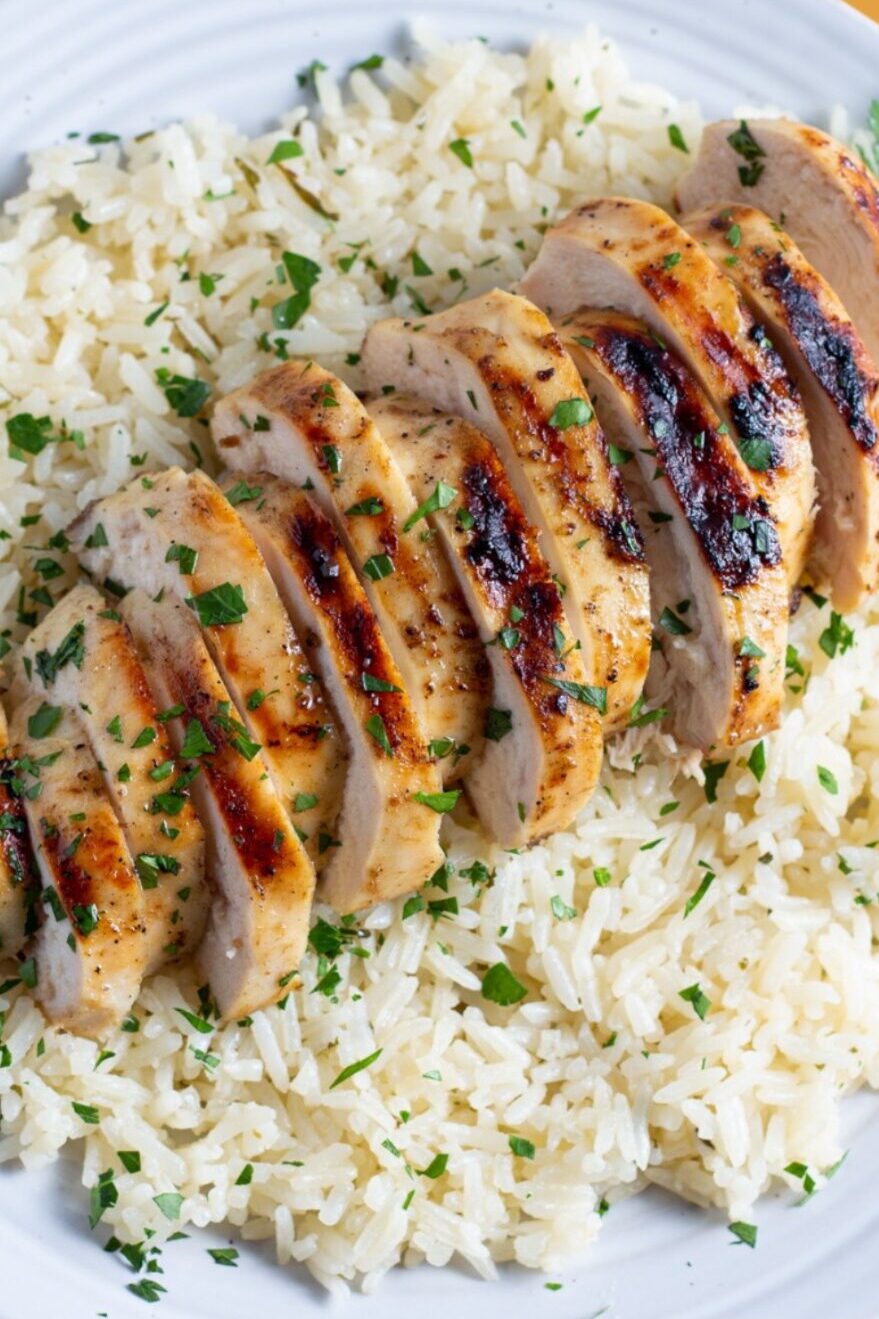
(126, 65)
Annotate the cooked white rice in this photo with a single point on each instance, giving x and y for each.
(604, 1067)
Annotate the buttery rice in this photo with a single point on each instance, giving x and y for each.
(604, 1068)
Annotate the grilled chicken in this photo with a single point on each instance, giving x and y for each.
(264, 880)
(305, 426)
(718, 588)
(825, 199)
(90, 952)
(388, 841)
(543, 746)
(178, 534)
(497, 362)
(615, 252)
(18, 888)
(837, 377)
(82, 657)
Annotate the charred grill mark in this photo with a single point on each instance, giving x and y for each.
(754, 418)
(96, 862)
(830, 348)
(256, 841)
(548, 445)
(135, 685)
(501, 552)
(758, 393)
(536, 658)
(708, 490)
(14, 842)
(353, 624)
(496, 548)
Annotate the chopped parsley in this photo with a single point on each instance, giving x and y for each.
(226, 1255)
(375, 727)
(371, 683)
(219, 606)
(701, 1003)
(378, 566)
(837, 638)
(497, 724)
(353, 1068)
(757, 760)
(435, 1168)
(500, 986)
(303, 274)
(287, 149)
(570, 412)
(441, 802)
(461, 148)
(746, 1233)
(184, 556)
(44, 721)
(745, 145)
(169, 1203)
(673, 624)
(187, 395)
(70, 651)
(442, 497)
(560, 909)
(582, 692)
(676, 138)
(197, 1023)
(366, 508)
(695, 898)
(756, 453)
(87, 1113)
(242, 493)
(714, 772)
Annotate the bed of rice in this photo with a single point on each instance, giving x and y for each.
(604, 1068)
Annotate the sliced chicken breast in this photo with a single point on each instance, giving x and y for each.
(543, 746)
(178, 534)
(18, 878)
(718, 588)
(837, 377)
(262, 876)
(90, 952)
(388, 840)
(629, 255)
(825, 199)
(497, 362)
(82, 656)
(305, 426)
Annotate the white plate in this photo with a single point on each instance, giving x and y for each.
(128, 64)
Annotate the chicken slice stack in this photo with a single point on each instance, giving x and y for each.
(448, 584)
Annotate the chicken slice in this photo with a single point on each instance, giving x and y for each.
(825, 199)
(304, 425)
(543, 746)
(82, 656)
(388, 841)
(616, 252)
(497, 362)
(90, 951)
(837, 378)
(261, 873)
(19, 887)
(179, 534)
(718, 588)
